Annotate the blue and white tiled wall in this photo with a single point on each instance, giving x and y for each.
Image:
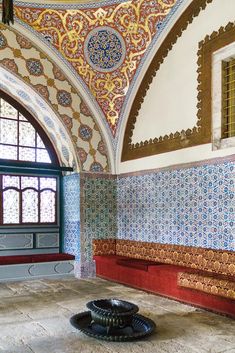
(71, 215)
(95, 219)
(192, 206)
(98, 210)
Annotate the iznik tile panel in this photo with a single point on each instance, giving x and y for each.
(71, 214)
(99, 209)
(189, 206)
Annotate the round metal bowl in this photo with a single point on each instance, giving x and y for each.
(112, 313)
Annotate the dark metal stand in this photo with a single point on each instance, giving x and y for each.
(113, 320)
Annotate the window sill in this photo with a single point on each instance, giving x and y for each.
(219, 143)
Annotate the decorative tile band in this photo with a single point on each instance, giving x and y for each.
(67, 6)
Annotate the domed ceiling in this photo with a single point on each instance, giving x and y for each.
(104, 43)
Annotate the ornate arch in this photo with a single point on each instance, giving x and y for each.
(20, 57)
(44, 115)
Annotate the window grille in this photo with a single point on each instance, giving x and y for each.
(228, 98)
(27, 199)
(19, 139)
(26, 196)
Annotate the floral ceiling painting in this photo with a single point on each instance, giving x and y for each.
(103, 42)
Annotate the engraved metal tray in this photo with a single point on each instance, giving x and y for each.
(141, 327)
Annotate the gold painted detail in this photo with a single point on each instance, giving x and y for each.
(180, 139)
(36, 69)
(136, 21)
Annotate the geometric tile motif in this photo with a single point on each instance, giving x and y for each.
(99, 212)
(192, 206)
(35, 104)
(71, 214)
(19, 55)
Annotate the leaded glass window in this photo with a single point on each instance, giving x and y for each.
(28, 196)
(19, 139)
(28, 199)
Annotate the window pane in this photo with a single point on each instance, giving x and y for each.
(27, 182)
(29, 206)
(7, 111)
(8, 131)
(16, 130)
(43, 156)
(48, 183)
(10, 206)
(27, 134)
(47, 207)
(21, 117)
(39, 142)
(27, 154)
(8, 152)
(10, 180)
(29, 200)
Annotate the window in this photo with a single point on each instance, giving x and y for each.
(228, 98)
(223, 97)
(29, 184)
(27, 199)
(18, 138)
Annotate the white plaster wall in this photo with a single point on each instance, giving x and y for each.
(170, 104)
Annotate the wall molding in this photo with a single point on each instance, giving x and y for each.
(211, 161)
(217, 40)
(191, 137)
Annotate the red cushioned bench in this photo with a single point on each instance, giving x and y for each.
(25, 259)
(186, 274)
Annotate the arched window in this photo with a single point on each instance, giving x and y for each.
(21, 137)
(29, 184)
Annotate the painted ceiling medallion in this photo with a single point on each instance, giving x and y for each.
(104, 49)
(20, 57)
(94, 40)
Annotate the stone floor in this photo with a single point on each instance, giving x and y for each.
(34, 318)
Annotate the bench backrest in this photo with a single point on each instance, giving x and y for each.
(215, 261)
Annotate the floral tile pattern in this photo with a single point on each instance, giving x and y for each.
(98, 210)
(71, 215)
(191, 206)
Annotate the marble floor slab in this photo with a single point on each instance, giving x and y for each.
(34, 318)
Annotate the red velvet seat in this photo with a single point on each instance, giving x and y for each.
(24, 259)
(160, 279)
